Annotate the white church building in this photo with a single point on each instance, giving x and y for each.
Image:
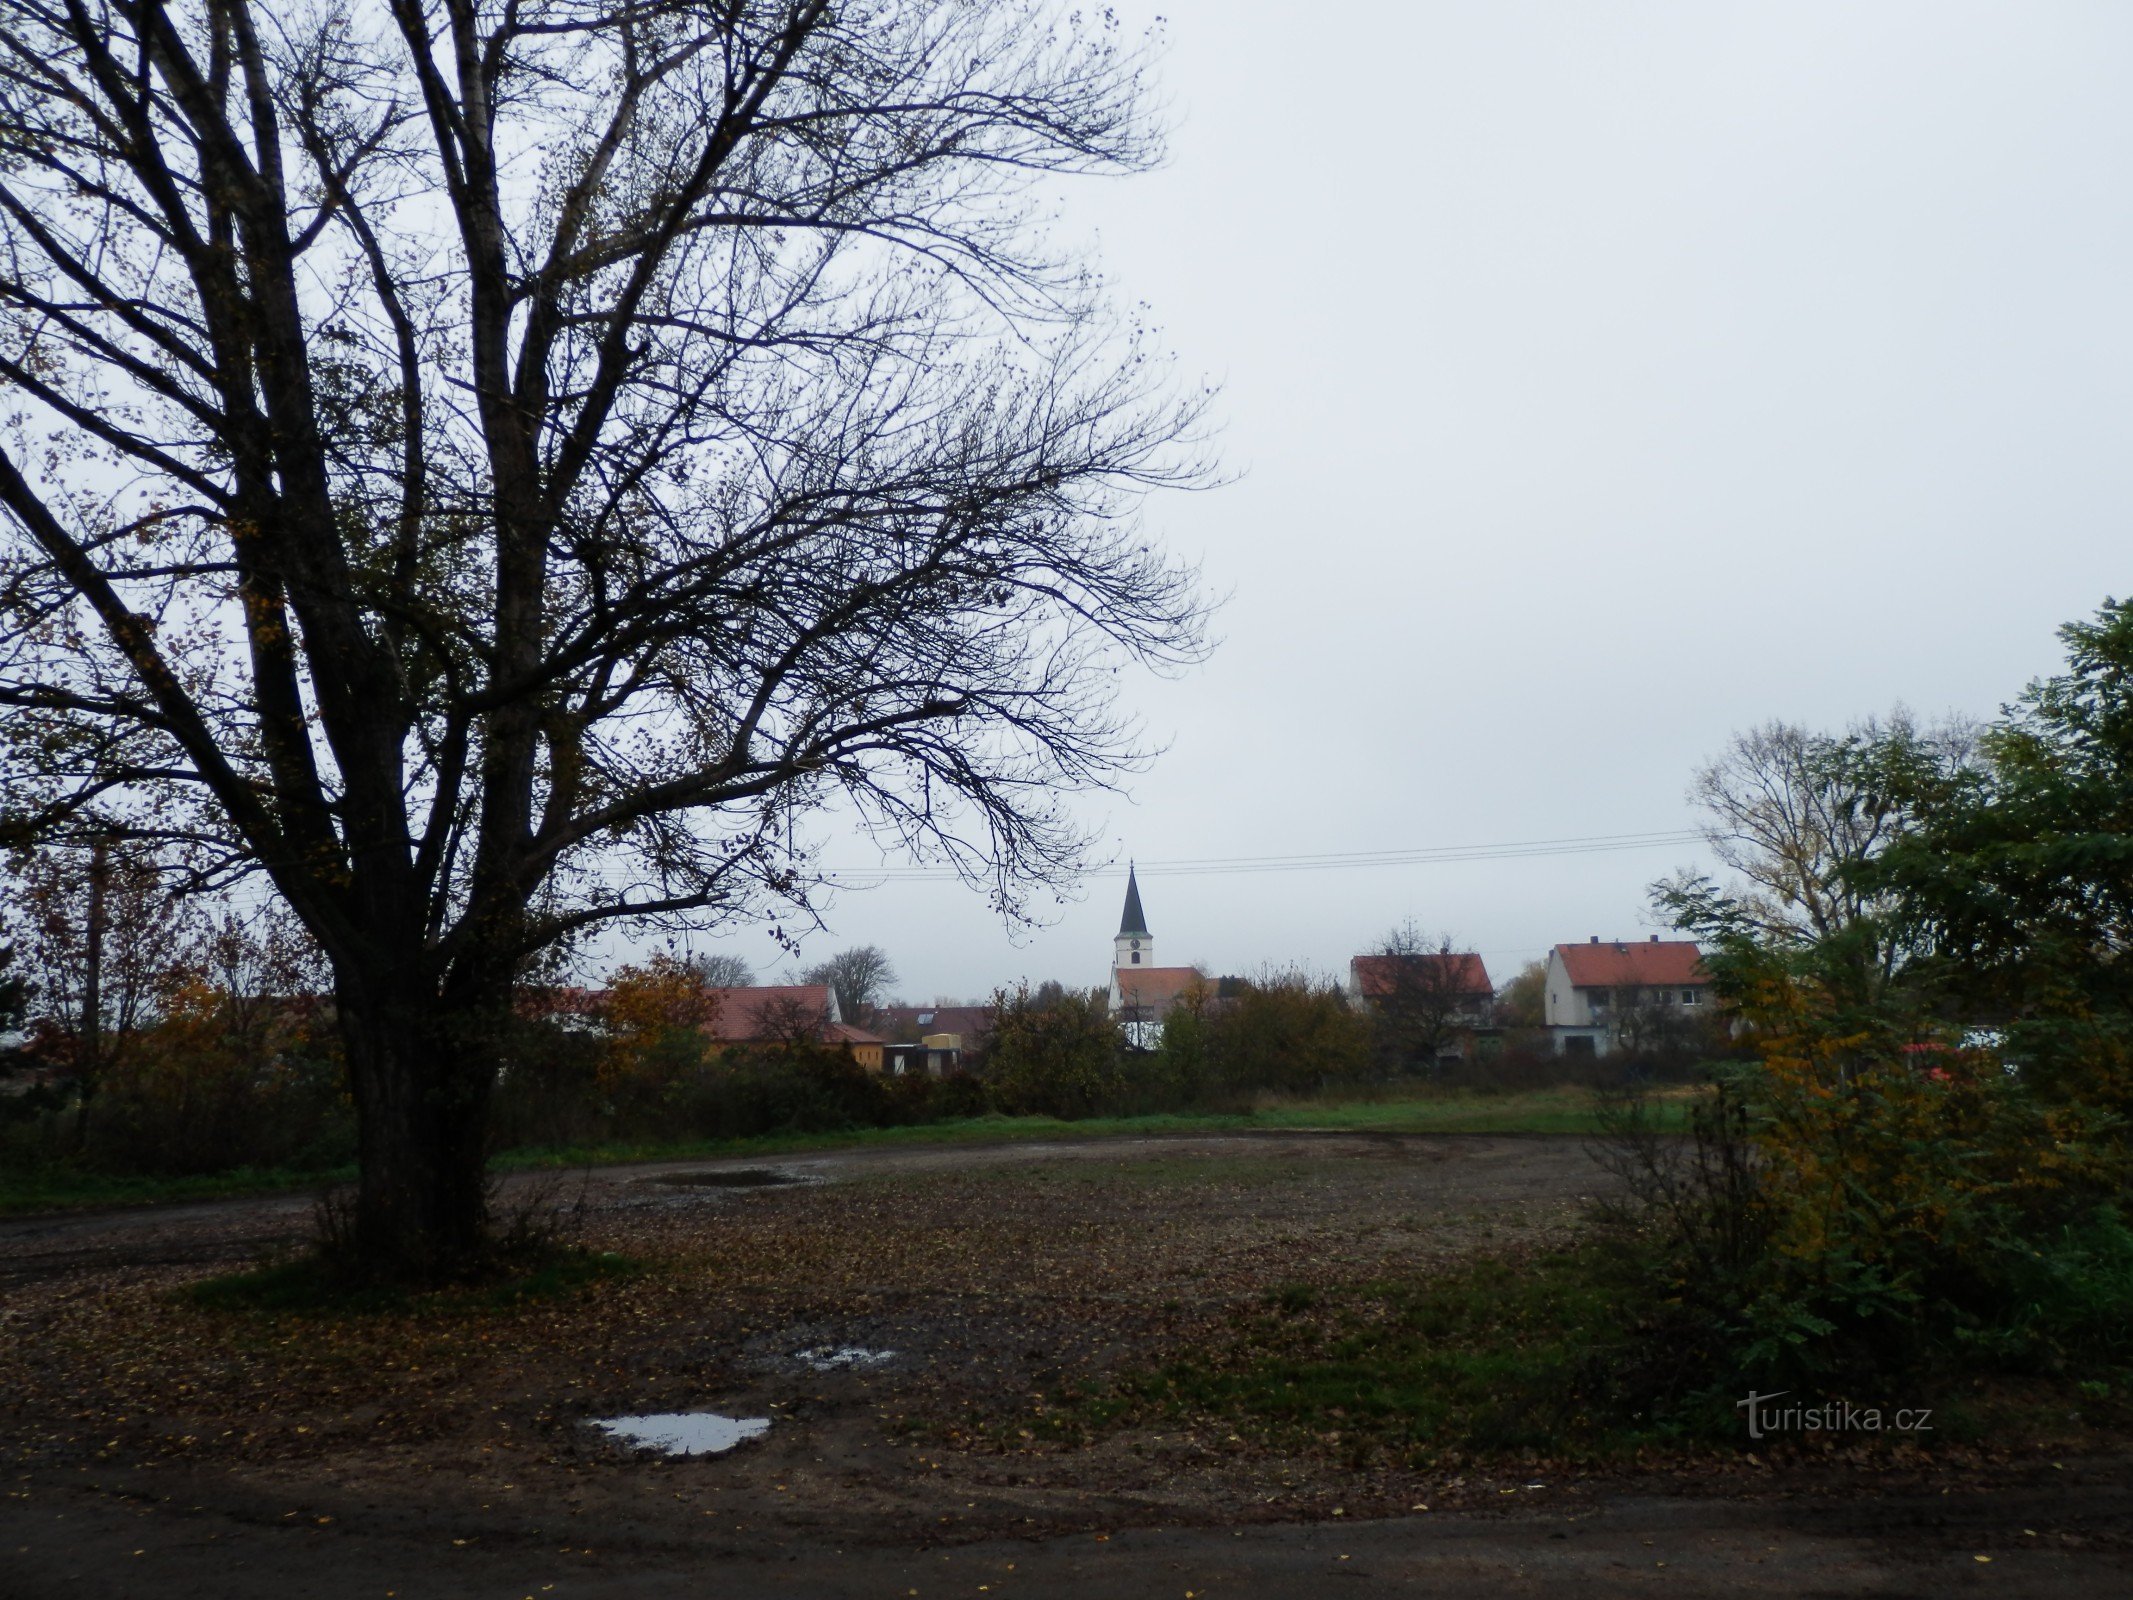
(1142, 993)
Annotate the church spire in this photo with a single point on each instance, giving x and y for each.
(1135, 921)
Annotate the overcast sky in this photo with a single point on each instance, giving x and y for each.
(1600, 378)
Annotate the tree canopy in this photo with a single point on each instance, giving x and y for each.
(495, 468)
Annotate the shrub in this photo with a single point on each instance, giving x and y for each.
(1286, 1033)
(1057, 1055)
(1852, 1212)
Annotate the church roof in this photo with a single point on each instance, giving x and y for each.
(1135, 920)
(1152, 991)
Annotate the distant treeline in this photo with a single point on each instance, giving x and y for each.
(222, 1059)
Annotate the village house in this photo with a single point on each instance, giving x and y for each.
(763, 1014)
(935, 1040)
(790, 1013)
(1598, 991)
(1442, 999)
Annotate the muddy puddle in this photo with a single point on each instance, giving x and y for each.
(842, 1357)
(684, 1433)
(726, 1178)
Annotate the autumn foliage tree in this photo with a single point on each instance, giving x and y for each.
(1935, 1162)
(493, 469)
(105, 937)
(1055, 1055)
(653, 1021)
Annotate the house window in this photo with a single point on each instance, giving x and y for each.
(1689, 997)
(1136, 958)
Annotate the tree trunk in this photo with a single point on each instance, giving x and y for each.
(421, 1068)
(89, 1068)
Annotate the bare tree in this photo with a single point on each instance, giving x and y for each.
(105, 933)
(266, 974)
(722, 970)
(495, 467)
(1424, 993)
(787, 1022)
(1796, 813)
(860, 978)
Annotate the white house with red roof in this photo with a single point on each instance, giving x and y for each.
(1593, 986)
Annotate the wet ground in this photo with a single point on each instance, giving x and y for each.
(152, 1449)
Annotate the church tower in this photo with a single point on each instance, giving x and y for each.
(1134, 946)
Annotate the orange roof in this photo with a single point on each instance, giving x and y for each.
(1456, 972)
(1158, 988)
(769, 1011)
(845, 1033)
(1619, 965)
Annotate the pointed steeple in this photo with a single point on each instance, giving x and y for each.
(1135, 921)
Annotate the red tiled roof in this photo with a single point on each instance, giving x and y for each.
(1158, 988)
(747, 1015)
(739, 1016)
(1625, 964)
(1456, 972)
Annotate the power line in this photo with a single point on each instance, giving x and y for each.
(860, 878)
(1413, 856)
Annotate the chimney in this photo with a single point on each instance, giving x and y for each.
(1655, 938)
(1595, 938)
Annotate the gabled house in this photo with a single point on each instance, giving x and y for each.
(764, 1014)
(1432, 1003)
(1461, 975)
(790, 1013)
(1601, 994)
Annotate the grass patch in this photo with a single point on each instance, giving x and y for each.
(1490, 1358)
(309, 1285)
(1559, 1110)
(60, 1188)
(1559, 1356)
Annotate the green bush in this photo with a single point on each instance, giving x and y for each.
(1055, 1055)
(1284, 1034)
